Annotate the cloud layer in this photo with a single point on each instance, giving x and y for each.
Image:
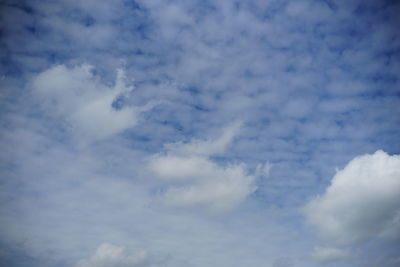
(88, 158)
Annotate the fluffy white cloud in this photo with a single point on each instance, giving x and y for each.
(108, 255)
(329, 254)
(362, 202)
(197, 180)
(78, 96)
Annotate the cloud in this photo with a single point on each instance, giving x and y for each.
(202, 182)
(362, 202)
(329, 254)
(108, 255)
(298, 108)
(206, 147)
(78, 96)
(263, 170)
(315, 86)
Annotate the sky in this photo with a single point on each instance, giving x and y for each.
(198, 133)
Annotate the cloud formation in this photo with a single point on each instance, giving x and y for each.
(196, 180)
(362, 202)
(108, 255)
(78, 97)
(316, 83)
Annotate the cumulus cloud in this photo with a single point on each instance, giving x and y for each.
(362, 202)
(201, 181)
(108, 255)
(78, 96)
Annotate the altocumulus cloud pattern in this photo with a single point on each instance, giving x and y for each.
(199, 133)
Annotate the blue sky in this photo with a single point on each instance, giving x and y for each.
(199, 133)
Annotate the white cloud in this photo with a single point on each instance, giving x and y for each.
(206, 147)
(362, 202)
(202, 181)
(329, 254)
(108, 255)
(78, 96)
(263, 170)
(220, 189)
(276, 77)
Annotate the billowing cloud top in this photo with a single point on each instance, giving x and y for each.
(362, 202)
